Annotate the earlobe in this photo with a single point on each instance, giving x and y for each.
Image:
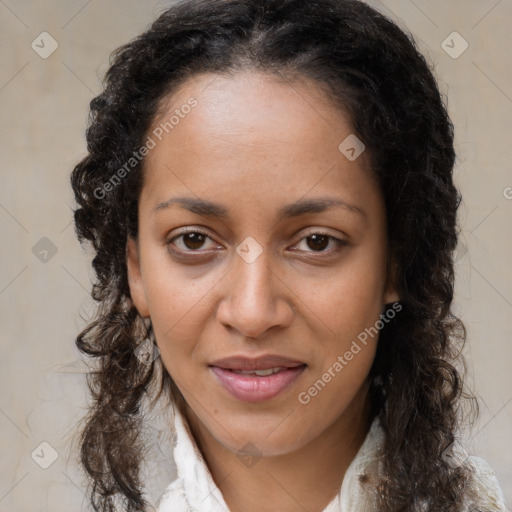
(391, 296)
(135, 278)
(390, 293)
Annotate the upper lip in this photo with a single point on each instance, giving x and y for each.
(245, 363)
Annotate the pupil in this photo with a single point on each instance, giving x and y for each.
(321, 241)
(193, 240)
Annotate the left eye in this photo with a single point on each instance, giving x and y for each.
(318, 241)
(192, 241)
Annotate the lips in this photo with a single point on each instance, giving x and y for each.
(256, 379)
(260, 363)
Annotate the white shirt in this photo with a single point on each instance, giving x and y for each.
(195, 491)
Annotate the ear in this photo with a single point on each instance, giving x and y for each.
(390, 293)
(135, 283)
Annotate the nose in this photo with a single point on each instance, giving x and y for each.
(256, 298)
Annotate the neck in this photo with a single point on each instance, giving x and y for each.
(306, 479)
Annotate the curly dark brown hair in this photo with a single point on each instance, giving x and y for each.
(373, 70)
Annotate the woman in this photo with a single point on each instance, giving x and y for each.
(268, 191)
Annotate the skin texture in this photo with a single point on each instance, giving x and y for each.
(254, 144)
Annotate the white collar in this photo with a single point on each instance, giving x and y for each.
(202, 494)
(195, 490)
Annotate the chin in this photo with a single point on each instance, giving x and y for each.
(271, 434)
(256, 443)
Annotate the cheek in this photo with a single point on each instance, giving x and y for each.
(346, 301)
(176, 301)
(174, 290)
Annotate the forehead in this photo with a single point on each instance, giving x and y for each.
(254, 107)
(251, 133)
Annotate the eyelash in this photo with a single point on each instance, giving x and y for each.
(339, 242)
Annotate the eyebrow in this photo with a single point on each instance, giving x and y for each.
(300, 207)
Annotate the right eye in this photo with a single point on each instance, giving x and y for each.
(190, 241)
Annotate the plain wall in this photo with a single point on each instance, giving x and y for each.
(44, 304)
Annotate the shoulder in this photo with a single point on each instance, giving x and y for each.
(484, 492)
(173, 499)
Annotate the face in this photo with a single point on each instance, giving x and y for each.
(261, 247)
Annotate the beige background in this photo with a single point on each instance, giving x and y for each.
(44, 105)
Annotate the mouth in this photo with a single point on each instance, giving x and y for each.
(256, 379)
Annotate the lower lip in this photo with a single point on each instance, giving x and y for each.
(251, 388)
